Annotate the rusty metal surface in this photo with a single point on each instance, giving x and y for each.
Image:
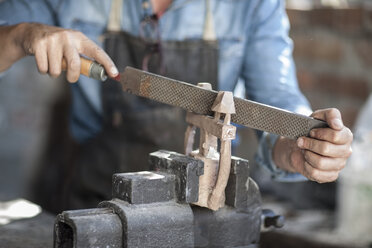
(198, 100)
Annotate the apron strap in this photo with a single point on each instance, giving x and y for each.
(114, 22)
(209, 30)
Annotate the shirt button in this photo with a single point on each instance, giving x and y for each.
(145, 5)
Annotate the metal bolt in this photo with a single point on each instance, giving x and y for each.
(269, 218)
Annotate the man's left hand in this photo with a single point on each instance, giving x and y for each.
(321, 156)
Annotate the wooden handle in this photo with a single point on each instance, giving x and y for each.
(84, 68)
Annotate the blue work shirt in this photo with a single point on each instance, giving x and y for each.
(253, 46)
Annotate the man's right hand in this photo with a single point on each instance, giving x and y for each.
(50, 45)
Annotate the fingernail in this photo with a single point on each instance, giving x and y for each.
(337, 123)
(114, 71)
(300, 142)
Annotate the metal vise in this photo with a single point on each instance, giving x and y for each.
(154, 209)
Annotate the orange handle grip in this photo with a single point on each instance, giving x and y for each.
(84, 68)
(89, 68)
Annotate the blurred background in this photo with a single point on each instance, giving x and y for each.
(333, 54)
(333, 51)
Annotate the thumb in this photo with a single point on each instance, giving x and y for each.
(332, 116)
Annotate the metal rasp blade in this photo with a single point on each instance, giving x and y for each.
(198, 100)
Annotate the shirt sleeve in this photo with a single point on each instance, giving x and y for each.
(269, 74)
(17, 11)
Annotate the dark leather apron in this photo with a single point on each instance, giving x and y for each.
(144, 124)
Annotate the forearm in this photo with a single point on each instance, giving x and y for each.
(11, 48)
(282, 154)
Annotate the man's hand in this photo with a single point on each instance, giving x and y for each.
(321, 156)
(49, 45)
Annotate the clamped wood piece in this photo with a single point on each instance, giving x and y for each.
(216, 165)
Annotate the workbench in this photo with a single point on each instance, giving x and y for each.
(34, 232)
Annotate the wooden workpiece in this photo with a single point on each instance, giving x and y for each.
(213, 182)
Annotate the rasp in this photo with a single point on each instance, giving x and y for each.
(198, 100)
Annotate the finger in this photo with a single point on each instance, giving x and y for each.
(55, 55)
(41, 58)
(341, 137)
(324, 148)
(318, 175)
(73, 63)
(92, 50)
(324, 163)
(332, 116)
